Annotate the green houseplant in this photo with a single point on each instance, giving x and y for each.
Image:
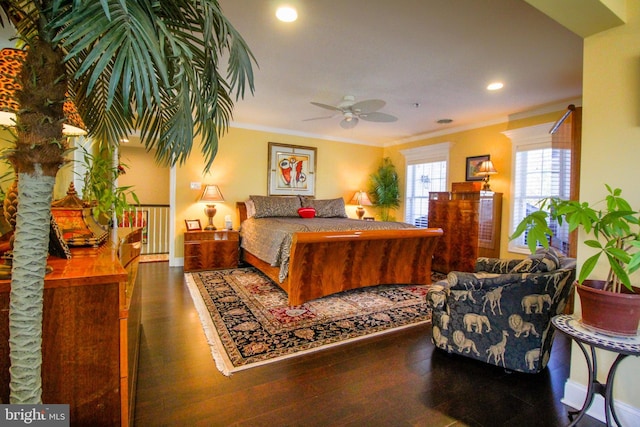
(384, 189)
(613, 230)
(105, 199)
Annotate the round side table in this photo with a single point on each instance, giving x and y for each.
(573, 328)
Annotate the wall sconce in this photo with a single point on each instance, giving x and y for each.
(360, 198)
(486, 168)
(11, 61)
(210, 194)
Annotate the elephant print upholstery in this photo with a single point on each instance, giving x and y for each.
(501, 313)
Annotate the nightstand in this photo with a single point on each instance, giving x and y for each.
(211, 250)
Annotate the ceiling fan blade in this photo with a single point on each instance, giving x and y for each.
(378, 117)
(318, 118)
(368, 106)
(349, 123)
(328, 107)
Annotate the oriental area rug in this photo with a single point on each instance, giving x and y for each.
(248, 323)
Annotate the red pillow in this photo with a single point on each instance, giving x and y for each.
(307, 212)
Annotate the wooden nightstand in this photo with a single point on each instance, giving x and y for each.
(211, 250)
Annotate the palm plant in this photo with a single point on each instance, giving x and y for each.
(127, 64)
(384, 189)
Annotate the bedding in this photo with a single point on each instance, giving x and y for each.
(270, 238)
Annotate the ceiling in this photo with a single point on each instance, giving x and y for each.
(428, 59)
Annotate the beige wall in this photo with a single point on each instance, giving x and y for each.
(477, 142)
(150, 182)
(240, 169)
(611, 152)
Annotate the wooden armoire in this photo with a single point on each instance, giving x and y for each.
(471, 224)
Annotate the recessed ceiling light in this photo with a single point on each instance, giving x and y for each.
(286, 14)
(495, 86)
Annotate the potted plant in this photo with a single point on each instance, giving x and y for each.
(99, 191)
(613, 227)
(384, 190)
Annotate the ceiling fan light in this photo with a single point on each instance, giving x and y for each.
(349, 122)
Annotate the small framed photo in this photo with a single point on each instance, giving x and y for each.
(193, 224)
(472, 167)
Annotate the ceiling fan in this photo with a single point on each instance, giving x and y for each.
(353, 111)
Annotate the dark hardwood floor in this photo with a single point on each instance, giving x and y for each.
(397, 379)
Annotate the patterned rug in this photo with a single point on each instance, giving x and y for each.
(248, 323)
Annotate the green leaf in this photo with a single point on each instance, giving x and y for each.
(619, 271)
(587, 267)
(593, 244)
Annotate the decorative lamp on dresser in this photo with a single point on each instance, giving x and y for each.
(471, 224)
(211, 250)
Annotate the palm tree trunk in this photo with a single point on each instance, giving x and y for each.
(27, 285)
(37, 157)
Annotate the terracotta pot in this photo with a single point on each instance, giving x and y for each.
(611, 313)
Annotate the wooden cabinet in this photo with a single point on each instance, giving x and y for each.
(210, 250)
(471, 225)
(90, 332)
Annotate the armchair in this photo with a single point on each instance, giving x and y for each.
(501, 314)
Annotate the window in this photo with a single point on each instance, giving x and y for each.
(540, 171)
(426, 171)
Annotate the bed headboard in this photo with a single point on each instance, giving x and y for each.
(241, 208)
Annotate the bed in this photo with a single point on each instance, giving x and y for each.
(316, 258)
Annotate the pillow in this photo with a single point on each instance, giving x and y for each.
(550, 258)
(528, 265)
(307, 212)
(251, 208)
(459, 280)
(541, 262)
(268, 206)
(329, 208)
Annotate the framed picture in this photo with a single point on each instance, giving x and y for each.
(472, 167)
(137, 219)
(292, 170)
(193, 224)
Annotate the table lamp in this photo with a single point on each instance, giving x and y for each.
(11, 63)
(486, 168)
(211, 193)
(360, 198)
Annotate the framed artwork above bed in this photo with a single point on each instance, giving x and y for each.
(291, 170)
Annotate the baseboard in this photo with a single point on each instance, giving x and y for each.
(176, 262)
(575, 393)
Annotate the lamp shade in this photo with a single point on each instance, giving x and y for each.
(11, 61)
(486, 168)
(360, 198)
(211, 193)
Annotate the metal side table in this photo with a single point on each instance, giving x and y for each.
(571, 326)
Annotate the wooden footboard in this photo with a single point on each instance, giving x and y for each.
(324, 263)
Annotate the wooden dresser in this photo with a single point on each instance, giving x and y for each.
(91, 332)
(471, 223)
